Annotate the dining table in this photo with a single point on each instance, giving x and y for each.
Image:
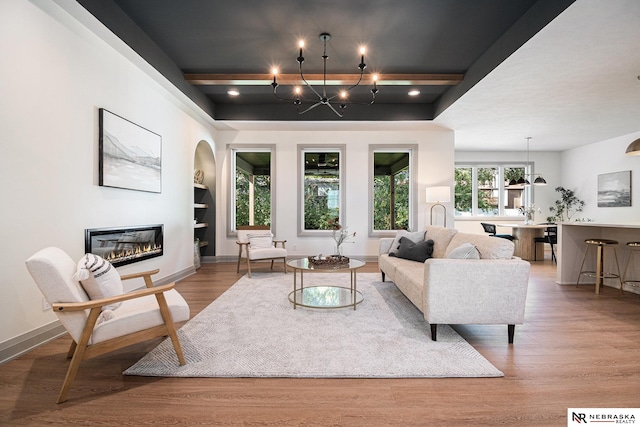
(524, 236)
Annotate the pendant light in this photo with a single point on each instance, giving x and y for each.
(634, 148)
(539, 180)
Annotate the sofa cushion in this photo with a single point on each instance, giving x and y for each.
(410, 250)
(415, 236)
(488, 247)
(409, 279)
(388, 265)
(441, 237)
(464, 251)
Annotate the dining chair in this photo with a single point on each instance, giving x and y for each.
(491, 229)
(550, 237)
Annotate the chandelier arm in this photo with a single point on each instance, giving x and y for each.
(349, 88)
(307, 83)
(357, 83)
(279, 98)
(334, 110)
(310, 108)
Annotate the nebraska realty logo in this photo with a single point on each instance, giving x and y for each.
(581, 416)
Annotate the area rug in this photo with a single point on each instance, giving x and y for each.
(252, 330)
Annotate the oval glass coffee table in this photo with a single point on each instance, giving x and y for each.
(329, 296)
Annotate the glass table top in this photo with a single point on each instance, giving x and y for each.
(304, 264)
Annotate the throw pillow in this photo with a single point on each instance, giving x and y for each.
(416, 236)
(99, 279)
(420, 251)
(465, 251)
(262, 240)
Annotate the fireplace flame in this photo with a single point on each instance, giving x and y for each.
(138, 251)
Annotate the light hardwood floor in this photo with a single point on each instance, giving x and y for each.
(576, 349)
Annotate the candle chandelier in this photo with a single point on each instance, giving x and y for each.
(320, 96)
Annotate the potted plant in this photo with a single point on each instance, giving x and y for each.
(565, 207)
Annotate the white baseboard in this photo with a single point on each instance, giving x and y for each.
(21, 344)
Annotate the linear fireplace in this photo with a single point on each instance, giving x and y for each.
(125, 245)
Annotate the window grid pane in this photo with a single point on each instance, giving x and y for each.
(463, 191)
(514, 192)
(488, 194)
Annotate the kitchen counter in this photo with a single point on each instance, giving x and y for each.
(571, 247)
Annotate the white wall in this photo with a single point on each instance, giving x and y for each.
(435, 167)
(54, 77)
(545, 163)
(581, 166)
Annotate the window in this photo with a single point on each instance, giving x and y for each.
(391, 188)
(489, 190)
(251, 198)
(321, 182)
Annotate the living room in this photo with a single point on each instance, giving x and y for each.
(62, 66)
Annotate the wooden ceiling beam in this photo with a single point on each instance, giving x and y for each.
(332, 79)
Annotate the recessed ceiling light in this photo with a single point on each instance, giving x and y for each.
(414, 92)
(233, 92)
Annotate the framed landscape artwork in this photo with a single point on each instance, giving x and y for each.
(614, 189)
(130, 155)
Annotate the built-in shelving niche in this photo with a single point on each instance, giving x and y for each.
(204, 200)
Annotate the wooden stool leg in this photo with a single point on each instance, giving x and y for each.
(599, 268)
(615, 256)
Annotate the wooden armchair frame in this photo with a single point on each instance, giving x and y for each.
(82, 350)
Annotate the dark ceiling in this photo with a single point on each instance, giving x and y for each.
(416, 44)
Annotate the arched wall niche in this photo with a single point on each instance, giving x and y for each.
(204, 198)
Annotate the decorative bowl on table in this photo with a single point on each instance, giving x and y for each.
(329, 262)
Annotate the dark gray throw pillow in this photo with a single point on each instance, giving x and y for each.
(420, 251)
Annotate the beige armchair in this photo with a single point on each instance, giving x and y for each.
(143, 314)
(256, 243)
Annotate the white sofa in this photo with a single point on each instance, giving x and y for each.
(489, 290)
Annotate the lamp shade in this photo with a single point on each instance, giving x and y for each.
(540, 181)
(438, 194)
(634, 148)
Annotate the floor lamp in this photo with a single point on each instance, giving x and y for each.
(436, 195)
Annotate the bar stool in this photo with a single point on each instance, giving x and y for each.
(634, 249)
(600, 274)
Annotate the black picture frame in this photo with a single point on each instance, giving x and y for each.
(130, 156)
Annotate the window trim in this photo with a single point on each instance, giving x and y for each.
(232, 149)
(528, 193)
(412, 149)
(315, 148)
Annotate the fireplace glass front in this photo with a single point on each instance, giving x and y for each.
(125, 245)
